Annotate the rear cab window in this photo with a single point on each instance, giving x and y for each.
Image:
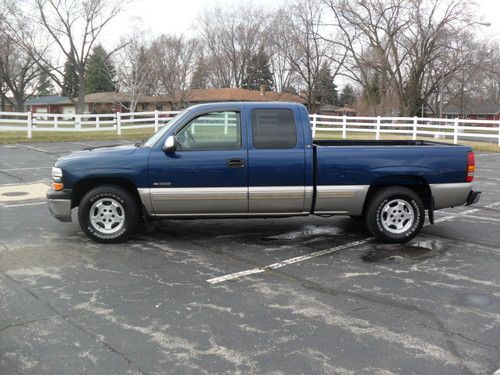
(273, 129)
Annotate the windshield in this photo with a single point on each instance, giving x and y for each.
(156, 136)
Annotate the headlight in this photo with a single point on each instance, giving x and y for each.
(57, 174)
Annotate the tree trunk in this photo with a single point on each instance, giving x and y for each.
(18, 104)
(80, 102)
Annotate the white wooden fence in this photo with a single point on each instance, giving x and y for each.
(322, 125)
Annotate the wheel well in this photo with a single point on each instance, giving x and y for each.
(84, 186)
(417, 184)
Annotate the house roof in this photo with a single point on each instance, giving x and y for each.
(334, 108)
(233, 94)
(191, 96)
(48, 100)
(115, 97)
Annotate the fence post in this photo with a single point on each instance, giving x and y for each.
(498, 133)
(314, 125)
(97, 123)
(30, 124)
(415, 122)
(156, 121)
(377, 132)
(78, 122)
(455, 131)
(55, 121)
(226, 120)
(118, 123)
(344, 127)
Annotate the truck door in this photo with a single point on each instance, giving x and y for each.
(207, 174)
(276, 162)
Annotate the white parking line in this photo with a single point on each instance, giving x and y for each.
(253, 271)
(274, 266)
(34, 148)
(466, 212)
(23, 169)
(22, 204)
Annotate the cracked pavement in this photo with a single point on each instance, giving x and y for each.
(68, 305)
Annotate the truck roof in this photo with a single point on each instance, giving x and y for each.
(240, 105)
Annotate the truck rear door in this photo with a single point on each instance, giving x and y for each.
(276, 161)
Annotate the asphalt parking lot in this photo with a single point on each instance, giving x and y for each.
(169, 301)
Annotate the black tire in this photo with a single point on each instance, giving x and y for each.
(121, 202)
(389, 214)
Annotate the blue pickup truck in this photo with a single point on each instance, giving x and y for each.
(247, 160)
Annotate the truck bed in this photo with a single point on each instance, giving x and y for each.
(345, 142)
(346, 169)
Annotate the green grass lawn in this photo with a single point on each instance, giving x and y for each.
(41, 136)
(137, 134)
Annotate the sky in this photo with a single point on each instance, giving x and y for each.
(179, 16)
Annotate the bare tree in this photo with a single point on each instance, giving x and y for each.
(285, 77)
(73, 27)
(134, 69)
(299, 41)
(19, 74)
(230, 37)
(401, 41)
(174, 62)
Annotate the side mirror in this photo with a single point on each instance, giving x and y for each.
(170, 144)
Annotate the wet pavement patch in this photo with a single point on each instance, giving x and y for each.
(474, 300)
(305, 232)
(15, 193)
(409, 252)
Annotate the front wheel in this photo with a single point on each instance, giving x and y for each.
(108, 214)
(395, 215)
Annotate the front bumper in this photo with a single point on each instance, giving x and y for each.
(59, 203)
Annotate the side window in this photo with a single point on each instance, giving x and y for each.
(211, 131)
(273, 128)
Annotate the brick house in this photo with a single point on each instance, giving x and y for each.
(111, 102)
(50, 104)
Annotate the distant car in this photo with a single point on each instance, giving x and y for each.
(247, 160)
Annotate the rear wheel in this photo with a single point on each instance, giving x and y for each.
(108, 214)
(395, 215)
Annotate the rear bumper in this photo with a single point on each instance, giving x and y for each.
(59, 203)
(450, 195)
(473, 197)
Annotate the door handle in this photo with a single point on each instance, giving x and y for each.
(235, 163)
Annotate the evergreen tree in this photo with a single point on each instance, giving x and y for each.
(258, 72)
(70, 82)
(326, 90)
(100, 72)
(347, 96)
(199, 80)
(45, 86)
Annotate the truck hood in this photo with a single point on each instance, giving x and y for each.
(98, 152)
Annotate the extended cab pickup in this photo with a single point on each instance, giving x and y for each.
(258, 160)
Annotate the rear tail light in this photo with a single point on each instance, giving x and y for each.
(471, 166)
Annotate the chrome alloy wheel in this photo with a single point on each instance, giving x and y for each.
(397, 216)
(107, 216)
